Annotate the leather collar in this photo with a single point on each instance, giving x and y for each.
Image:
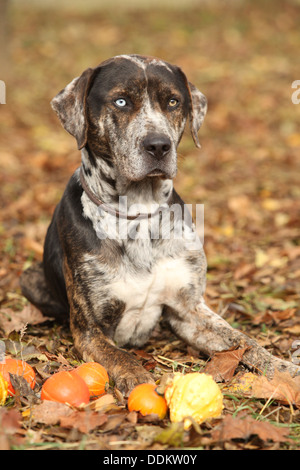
(92, 196)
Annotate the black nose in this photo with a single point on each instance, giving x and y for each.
(157, 145)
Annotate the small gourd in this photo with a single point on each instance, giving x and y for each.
(196, 395)
(146, 400)
(3, 390)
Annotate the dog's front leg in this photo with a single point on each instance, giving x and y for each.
(94, 346)
(209, 333)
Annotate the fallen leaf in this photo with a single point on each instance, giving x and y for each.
(292, 252)
(132, 417)
(22, 388)
(273, 316)
(50, 412)
(10, 425)
(143, 354)
(223, 364)
(241, 384)
(113, 421)
(147, 433)
(261, 258)
(293, 140)
(11, 320)
(21, 350)
(294, 330)
(33, 245)
(271, 204)
(246, 427)
(84, 421)
(277, 304)
(10, 420)
(62, 360)
(240, 204)
(173, 435)
(243, 270)
(104, 403)
(282, 388)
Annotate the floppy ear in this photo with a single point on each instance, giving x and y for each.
(70, 106)
(197, 111)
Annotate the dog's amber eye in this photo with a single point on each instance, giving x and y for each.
(121, 102)
(173, 102)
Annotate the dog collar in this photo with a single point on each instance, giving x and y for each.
(92, 196)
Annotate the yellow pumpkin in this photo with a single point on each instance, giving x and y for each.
(3, 390)
(196, 395)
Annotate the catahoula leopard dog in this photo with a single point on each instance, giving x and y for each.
(103, 266)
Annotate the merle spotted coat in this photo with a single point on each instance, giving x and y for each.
(128, 116)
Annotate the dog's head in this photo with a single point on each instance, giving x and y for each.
(135, 108)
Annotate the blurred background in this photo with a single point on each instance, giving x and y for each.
(243, 55)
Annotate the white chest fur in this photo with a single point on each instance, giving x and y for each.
(144, 296)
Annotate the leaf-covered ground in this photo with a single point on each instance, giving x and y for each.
(244, 58)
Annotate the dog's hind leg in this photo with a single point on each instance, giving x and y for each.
(206, 331)
(34, 287)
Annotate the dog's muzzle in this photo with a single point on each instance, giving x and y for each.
(157, 145)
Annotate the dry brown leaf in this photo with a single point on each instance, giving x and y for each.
(223, 364)
(10, 420)
(103, 403)
(132, 417)
(273, 316)
(292, 252)
(244, 428)
(243, 270)
(240, 204)
(63, 361)
(282, 388)
(261, 258)
(11, 320)
(113, 421)
(143, 354)
(22, 388)
(84, 421)
(241, 384)
(10, 425)
(49, 412)
(33, 245)
(294, 329)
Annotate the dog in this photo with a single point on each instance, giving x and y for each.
(128, 115)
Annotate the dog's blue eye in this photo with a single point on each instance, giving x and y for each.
(121, 102)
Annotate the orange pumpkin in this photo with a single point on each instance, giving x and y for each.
(66, 387)
(95, 376)
(18, 367)
(146, 400)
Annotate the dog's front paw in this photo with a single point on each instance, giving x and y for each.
(127, 380)
(124, 370)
